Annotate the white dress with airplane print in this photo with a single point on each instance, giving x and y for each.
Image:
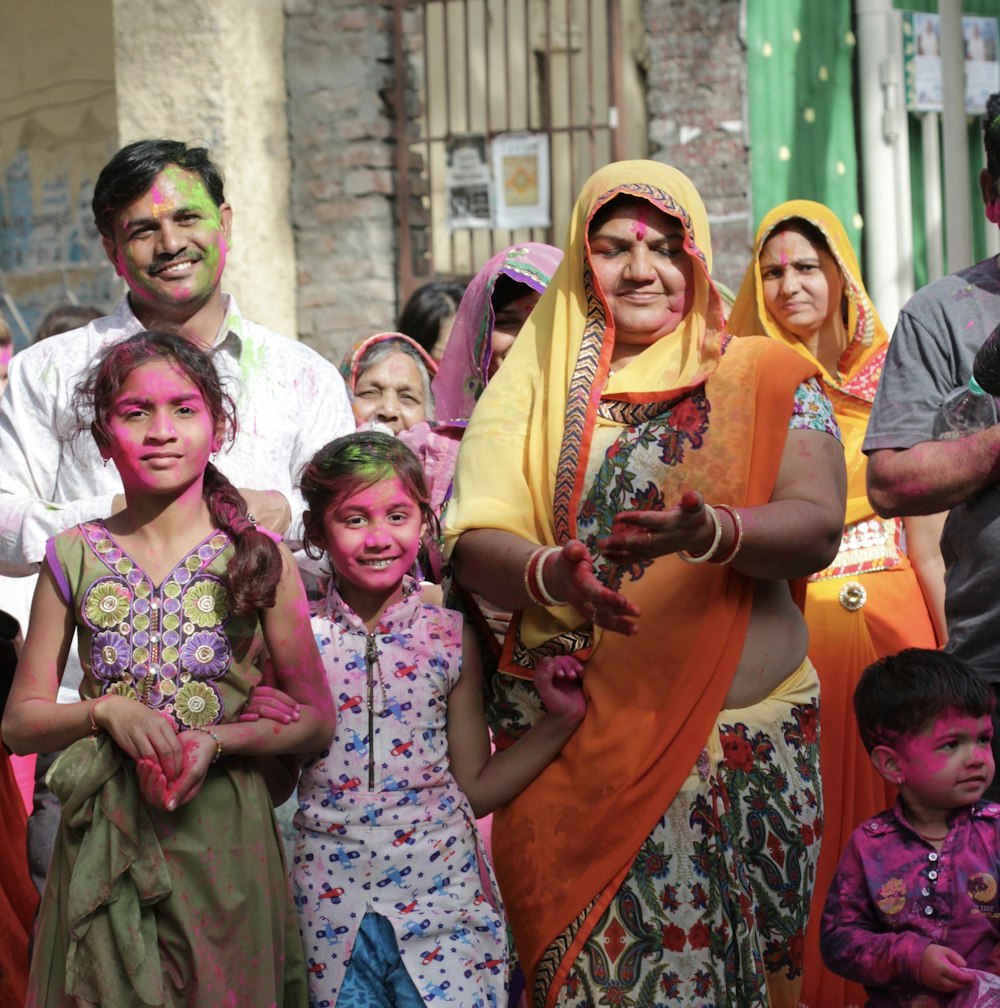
(382, 824)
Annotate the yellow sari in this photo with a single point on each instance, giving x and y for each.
(868, 603)
(553, 416)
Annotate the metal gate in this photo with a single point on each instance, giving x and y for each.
(472, 70)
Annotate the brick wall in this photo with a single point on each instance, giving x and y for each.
(338, 58)
(342, 138)
(696, 93)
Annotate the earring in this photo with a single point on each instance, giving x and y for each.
(106, 463)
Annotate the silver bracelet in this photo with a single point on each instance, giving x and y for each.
(716, 539)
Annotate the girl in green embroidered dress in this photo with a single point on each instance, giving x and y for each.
(167, 884)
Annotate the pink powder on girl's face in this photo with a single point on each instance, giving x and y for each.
(373, 537)
(949, 764)
(784, 258)
(162, 431)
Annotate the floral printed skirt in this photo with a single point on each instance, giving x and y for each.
(714, 909)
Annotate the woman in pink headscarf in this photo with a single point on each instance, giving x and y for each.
(389, 375)
(495, 306)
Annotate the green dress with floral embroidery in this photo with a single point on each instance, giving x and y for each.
(221, 927)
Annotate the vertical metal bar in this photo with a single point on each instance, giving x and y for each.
(570, 118)
(545, 91)
(446, 62)
(933, 217)
(466, 63)
(428, 136)
(506, 64)
(470, 234)
(529, 55)
(487, 90)
(616, 82)
(404, 265)
(588, 50)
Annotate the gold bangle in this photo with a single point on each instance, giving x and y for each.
(716, 539)
(95, 728)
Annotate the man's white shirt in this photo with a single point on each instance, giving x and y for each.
(290, 402)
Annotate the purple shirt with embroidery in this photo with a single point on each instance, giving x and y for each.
(894, 894)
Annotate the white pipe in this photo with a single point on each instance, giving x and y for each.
(933, 220)
(884, 158)
(958, 238)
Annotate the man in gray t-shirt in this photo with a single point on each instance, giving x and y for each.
(938, 333)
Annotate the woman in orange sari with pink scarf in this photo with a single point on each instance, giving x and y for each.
(667, 853)
(804, 289)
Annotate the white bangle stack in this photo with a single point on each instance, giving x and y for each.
(716, 539)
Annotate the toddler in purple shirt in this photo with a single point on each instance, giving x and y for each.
(913, 912)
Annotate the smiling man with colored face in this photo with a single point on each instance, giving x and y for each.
(167, 229)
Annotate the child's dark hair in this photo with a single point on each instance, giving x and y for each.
(900, 695)
(352, 463)
(256, 566)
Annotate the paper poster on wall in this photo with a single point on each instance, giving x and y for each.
(982, 69)
(922, 61)
(467, 178)
(521, 170)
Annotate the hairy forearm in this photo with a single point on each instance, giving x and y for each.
(933, 476)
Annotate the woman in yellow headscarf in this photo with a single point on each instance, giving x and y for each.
(667, 852)
(804, 289)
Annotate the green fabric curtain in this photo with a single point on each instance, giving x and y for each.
(800, 69)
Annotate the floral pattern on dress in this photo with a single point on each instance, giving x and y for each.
(110, 655)
(197, 705)
(162, 645)
(206, 654)
(205, 603)
(107, 603)
(731, 858)
(660, 442)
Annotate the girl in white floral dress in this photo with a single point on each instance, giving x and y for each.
(396, 903)
(168, 885)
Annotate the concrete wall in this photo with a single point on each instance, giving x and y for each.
(57, 128)
(213, 71)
